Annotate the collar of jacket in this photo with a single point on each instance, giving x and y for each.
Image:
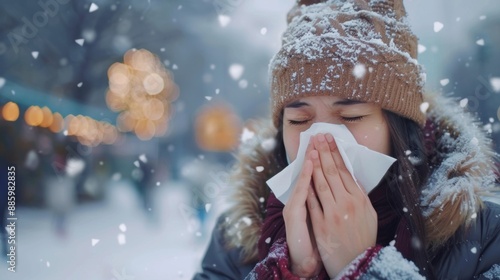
(464, 172)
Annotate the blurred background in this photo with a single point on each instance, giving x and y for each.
(122, 117)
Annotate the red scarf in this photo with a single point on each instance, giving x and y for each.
(389, 225)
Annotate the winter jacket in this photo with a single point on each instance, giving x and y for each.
(453, 200)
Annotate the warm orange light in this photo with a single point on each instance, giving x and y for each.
(153, 109)
(47, 117)
(109, 134)
(145, 129)
(10, 111)
(153, 84)
(73, 125)
(142, 90)
(161, 127)
(33, 116)
(217, 128)
(126, 122)
(142, 60)
(57, 123)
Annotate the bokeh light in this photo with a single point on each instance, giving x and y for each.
(141, 89)
(33, 116)
(57, 123)
(47, 117)
(217, 128)
(10, 111)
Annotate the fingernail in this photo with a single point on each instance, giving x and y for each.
(329, 138)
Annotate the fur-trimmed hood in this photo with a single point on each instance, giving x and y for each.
(463, 172)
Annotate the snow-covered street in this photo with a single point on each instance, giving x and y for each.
(112, 240)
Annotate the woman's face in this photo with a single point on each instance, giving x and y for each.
(365, 121)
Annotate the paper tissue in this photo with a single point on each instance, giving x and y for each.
(367, 167)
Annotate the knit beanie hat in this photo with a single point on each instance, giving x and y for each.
(360, 50)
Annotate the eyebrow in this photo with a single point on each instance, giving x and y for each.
(343, 102)
(297, 104)
(348, 102)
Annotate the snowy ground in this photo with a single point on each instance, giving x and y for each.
(164, 247)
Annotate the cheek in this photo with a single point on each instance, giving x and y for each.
(291, 141)
(375, 138)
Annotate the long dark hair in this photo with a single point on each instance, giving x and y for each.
(405, 179)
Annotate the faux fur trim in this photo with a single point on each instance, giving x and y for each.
(254, 166)
(463, 172)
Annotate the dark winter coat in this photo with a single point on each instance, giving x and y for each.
(453, 201)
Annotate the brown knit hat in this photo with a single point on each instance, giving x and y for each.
(355, 49)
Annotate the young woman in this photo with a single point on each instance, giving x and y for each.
(354, 63)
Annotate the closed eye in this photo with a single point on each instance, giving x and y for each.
(352, 119)
(293, 122)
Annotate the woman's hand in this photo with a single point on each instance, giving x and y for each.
(304, 255)
(343, 219)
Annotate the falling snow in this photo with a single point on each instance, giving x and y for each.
(121, 239)
(34, 54)
(421, 48)
(495, 83)
(235, 71)
(359, 71)
(424, 106)
(224, 20)
(93, 8)
(123, 227)
(243, 84)
(438, 26)
(464, 102)
(444, 82)
(268, 144)
(80, 41)
(247, 135)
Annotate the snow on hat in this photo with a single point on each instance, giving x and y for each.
(355, 49)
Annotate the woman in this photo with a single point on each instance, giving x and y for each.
(354, 63)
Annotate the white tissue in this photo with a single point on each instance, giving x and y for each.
(367, 167)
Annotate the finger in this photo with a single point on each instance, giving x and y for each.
(299, 194)
(348, 181)
(323, 190)
(328, 164)
(313, 205)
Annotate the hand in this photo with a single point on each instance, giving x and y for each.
(304, 256)
(343, 219)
